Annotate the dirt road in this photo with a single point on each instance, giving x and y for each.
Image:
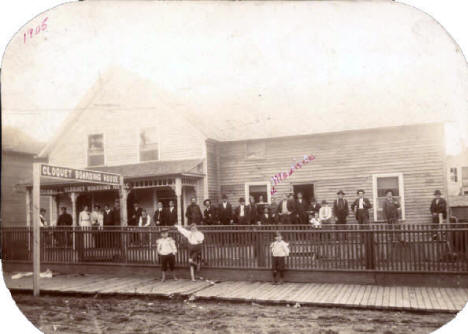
(107, 314)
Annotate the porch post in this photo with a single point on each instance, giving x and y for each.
(178, 192)
(123, 206)
(73, 197)
(28, 207)
(53, 210)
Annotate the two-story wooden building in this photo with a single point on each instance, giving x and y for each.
(165, 155)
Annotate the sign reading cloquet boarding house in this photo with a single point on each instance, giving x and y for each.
(79, 175)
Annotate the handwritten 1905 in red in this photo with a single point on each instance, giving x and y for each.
(31, 31)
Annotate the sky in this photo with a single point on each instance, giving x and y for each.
(47, 74)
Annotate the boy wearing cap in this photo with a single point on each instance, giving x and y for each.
(166, 250)
(195, 240)
(279, 251)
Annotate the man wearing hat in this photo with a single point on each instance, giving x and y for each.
(361, 208)
(340, 208)
(193, 213)
(209, 214)
(302, 207)
(438, 208)
(242, 213)
(286, 210)
(225, 211)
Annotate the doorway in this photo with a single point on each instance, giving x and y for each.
(307, 191)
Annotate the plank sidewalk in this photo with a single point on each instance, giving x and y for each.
(429, 299)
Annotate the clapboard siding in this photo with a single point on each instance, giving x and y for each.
(212, 169)
(346, 161)
(16, 167)
(178, 138)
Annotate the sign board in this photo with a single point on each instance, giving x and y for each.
(80, 175)
(64, 173)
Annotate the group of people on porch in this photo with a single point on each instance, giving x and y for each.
(289, 210)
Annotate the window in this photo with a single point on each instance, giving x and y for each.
(149, 144)
(383, 183)
(255, 150)
(257, 189)
(96, 150)
(454, 174)
(464, 178)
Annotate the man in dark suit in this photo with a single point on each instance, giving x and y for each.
(302, 207)
(116, 213)
(135, 215)
(266, 218)
(252, 210)
(64, 222)
(438, 210)
(193, 213)
(107, 218)
(225, 212)
(314, 207)
(159, 215)
(340, 212)
(340, 208)
(170, 216)
(242, 213)
(209, 214)
(116, 238)
(287, 210)
(361, 208)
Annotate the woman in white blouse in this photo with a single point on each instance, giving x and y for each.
(84, 220)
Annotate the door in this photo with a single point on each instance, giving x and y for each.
(307, 191)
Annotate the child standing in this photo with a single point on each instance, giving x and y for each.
(166, 250)
(279, 251)
(195, 240)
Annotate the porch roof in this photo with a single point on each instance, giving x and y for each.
(143, 170)
(155, 168)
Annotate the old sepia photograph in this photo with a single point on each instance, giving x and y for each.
(234, 167)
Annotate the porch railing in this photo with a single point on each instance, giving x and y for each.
(374, 247)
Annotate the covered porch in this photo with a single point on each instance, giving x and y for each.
(145, 183)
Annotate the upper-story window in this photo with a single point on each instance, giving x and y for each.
(149, 144)
(96, 150)
(464, 178)
(454, 174)
(255, 150)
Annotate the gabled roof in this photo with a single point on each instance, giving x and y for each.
(329, 66)
(15, 140)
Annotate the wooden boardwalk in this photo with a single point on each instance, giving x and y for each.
(431, 299)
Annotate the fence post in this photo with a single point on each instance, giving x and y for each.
(259, 247)
(369, 246)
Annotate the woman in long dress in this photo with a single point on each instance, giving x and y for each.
(84, 221)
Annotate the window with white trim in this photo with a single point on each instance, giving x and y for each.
(382, 183)
(257, 189)
(96, 150)
(454, 174)
(464, 179)
(149, 144)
